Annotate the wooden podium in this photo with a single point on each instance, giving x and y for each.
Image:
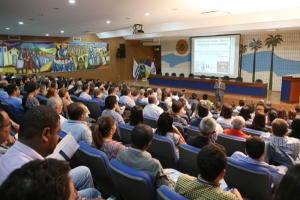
(290, 89)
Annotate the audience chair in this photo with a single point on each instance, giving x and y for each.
(258, 81)
(224, 125)
(23, 92)
(181, 75)
(141, 103)
(180, 128)
(191, 75)
(125, 133)
(131, 183)
(163, 105)
(43, 100)
(163, 149)
(10, 112)
(165, 193)
(253, 182)
(75, 161)
(192, 131)
(226, 78)
(97, 162)
(252, 132)
(61, 134)
(73, 97)
(173, 74)
(166, 74)
(151, 121)
(188, 159)
(231, 143)
(80, 99)
(95, 111)
(239, 79)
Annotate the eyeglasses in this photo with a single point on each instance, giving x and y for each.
(9, 125)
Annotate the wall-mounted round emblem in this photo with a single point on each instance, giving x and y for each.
(182, 46)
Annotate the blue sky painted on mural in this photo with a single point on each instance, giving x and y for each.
(174, 60)
(282, 66)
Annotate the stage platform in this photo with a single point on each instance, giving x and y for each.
(273, 96)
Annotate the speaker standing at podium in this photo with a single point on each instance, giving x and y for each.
(220, 88)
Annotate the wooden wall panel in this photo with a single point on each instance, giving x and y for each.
(120, 68)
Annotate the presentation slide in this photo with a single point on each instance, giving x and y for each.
(215, 55)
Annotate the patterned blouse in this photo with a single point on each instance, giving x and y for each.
(31, 102)
(111, 148)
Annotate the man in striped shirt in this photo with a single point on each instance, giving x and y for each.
(279, 137)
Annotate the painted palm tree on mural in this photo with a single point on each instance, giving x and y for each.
(272, 41)
(243, 50)
(255, 45)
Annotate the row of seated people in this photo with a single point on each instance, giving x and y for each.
(210, 156)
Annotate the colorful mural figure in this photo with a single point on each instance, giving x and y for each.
(272, 41)
(33, 57)
(255, 45)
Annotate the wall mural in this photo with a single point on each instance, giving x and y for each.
(263, 56)
(33, 57)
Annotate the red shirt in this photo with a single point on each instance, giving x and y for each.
(235, 132)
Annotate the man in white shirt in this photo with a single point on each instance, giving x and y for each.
(126, 99)
(56, 104)
(152, 109)
(85, 92)
(71, 84)
(76, 124)
(38, 136)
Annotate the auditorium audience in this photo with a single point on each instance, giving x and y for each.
(211, 161)
(166, 128)
(66, 99)
(202, 111)
(102, 133)
(175, 96)
(259, 122)
(111, 104)
(136, 116)
(208, 102)
(260, 109)
(238, 123)
(29, 99)
(77, 88)
(166, 97)
(51, 92)
(37, 138)
(178, 108)
(152, 109)
(137, 157)
(5, 125)
(279, 137)
(85, 92)
(281, 113)
(288, 188)
(56, 104)
(245, 113)
(42, 91)
(14, 100)
(76, 124)
(98, 98)
(255, 150)
(297, 108)
(241, 105)
(126, 99)
(295, 126)
(226, 114)
(3, 94)
(207, 128)
(271, 115)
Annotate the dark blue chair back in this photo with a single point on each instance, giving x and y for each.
(188, 159)
(165, 193)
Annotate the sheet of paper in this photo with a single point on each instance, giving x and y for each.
(172, 174)
(65, 149)
(224, 185)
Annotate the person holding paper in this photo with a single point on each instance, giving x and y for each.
(220, 87)
(38, 137)
(211, 162)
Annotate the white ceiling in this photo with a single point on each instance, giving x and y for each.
(168, 18)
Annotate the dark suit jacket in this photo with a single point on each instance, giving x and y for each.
(221, 90)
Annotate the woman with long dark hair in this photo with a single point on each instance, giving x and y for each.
(136, 115)
(245, 113)
(259, 122)
(102, 133)
(295, 126)
(29, 99)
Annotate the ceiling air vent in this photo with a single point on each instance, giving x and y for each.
(14, 37)
(76, 39)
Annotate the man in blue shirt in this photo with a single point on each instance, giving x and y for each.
(14, 100)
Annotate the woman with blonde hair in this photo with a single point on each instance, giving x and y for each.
(102, 133)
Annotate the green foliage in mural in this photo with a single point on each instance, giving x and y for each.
(255, 45)
(272, 41)
(243, 50)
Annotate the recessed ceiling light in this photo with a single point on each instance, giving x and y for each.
(71, 1)
(7, 28)
(62, 31)
(108, 22)
(31, 19)
(147, 14)
(174, 9)
(128, 18)
(47, 34)
(20, 22)
(56, 8)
